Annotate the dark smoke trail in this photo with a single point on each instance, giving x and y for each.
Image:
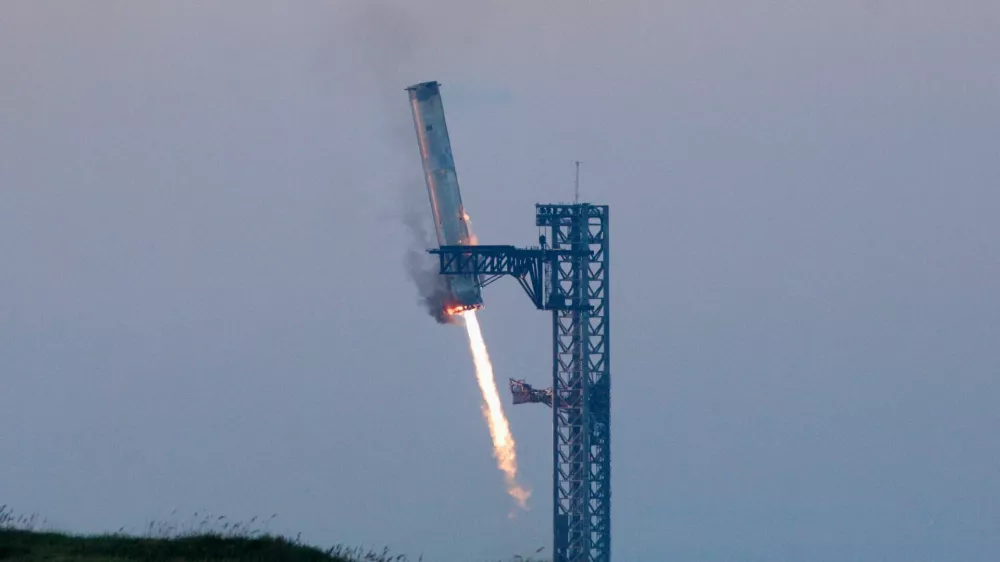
(422, 267)
(392, 42)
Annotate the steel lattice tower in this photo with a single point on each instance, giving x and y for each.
(581, 381)
(568, 276)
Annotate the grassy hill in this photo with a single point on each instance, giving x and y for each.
(203, 538)
(31, 546)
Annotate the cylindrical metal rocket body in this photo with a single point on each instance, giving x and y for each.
(450, 220)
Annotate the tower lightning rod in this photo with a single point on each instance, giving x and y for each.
(576, 188)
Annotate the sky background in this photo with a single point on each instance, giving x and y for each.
(204, 304)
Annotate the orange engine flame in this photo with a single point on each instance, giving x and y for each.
(459, 309)
(503, 442)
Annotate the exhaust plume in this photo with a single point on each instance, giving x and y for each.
(503, 442)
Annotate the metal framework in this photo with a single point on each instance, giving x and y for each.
(524, 393)
(570, 278)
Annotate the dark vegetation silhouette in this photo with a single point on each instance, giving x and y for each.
(203, 538)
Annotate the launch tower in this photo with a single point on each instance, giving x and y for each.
(566, 274)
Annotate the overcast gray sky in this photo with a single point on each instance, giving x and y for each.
(204, 304)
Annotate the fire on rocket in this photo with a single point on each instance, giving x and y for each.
(451, 223)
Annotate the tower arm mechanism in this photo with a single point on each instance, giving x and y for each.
(524, 393)
(528, 265)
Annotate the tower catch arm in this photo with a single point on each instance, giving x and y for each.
(527, 265)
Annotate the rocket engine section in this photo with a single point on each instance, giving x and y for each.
(450, 219)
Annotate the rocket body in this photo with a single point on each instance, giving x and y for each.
(450, 219)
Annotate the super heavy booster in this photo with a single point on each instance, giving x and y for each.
(450, 219)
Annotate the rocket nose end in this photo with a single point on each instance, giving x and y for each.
(424, 90)
(432, 85)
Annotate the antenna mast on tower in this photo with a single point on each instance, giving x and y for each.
(576, 188)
